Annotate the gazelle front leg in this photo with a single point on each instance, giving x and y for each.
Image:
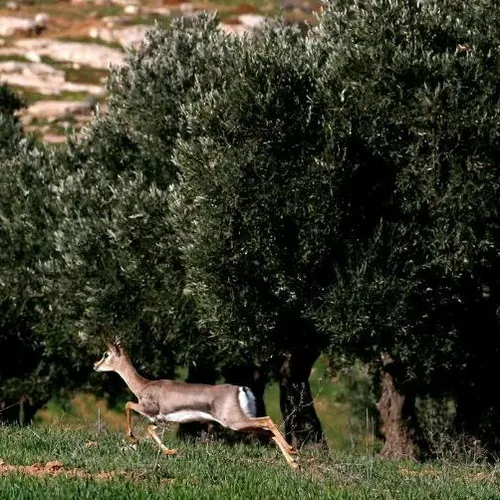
(129, 407)
(164, 449)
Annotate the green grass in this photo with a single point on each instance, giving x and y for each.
(32, 96)
(80, 74)
(67, 432)
(217, 470)
(152, 20)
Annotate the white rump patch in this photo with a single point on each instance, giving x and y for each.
(185, 416)
(247, 402)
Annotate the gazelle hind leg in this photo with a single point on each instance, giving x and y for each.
(164, 449)
(268, 424)
(260, 424)
(286, 453)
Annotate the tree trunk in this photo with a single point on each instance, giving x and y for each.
(397, 413)
(302, 425)
(202, 374)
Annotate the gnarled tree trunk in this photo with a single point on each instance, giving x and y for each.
(302, 425)
(397, 414)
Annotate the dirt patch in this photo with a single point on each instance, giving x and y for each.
(55, 469)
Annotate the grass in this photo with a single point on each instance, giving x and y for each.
(78, 74)
(87, 436)
(218, 470)
(32, 96)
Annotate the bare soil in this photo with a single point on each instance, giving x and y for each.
(55, 469)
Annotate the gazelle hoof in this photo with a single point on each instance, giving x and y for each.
(166, 451)
(294, 465)
(129, 446)
(130, 436)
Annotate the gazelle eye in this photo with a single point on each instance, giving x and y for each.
(106, 354)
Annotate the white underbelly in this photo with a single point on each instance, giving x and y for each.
(184, 416)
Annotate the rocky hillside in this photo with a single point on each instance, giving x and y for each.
(57, 52)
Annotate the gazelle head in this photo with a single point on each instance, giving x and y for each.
(113, 358)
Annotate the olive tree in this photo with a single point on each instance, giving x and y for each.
(260, 211)
(124, 275)
(419, 85)
(35, 361)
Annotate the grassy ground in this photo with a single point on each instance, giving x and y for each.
(100, 465)
(86, 438)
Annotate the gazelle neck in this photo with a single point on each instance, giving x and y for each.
(132, 378)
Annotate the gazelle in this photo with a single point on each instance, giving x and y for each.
(163, 401)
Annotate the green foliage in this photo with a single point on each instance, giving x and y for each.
(123, 271)
(245, 197)
(30, 363)
(10, 130)
(257, 212)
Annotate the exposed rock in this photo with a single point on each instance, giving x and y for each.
(126, 37)
(87, 54)
(300, 5)
(244, 8)
(54, 139)
(158, 11)
(124, 3)
(42, 77)
(33, 57)
(234, 29)
(112, 21)
(187, 9)
(132, 9)
(246, 23)
(42, 20)
(251, 20)
(94, 33)
(54, 110)
(26, 74)
(9, 26)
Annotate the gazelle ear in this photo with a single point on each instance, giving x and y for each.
(111, 346)
(118, 344)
